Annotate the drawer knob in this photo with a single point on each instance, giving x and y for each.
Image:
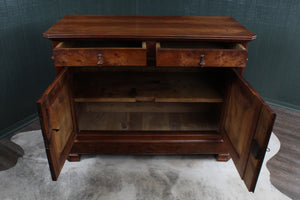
(202, 63)
(100, 60)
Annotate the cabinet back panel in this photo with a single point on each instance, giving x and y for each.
(147, 116)
(100, 86)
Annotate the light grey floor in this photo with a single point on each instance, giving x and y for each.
(284, 167)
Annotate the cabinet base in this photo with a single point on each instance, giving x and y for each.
(220, 157)
(149, 143)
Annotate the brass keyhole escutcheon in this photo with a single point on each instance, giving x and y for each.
(202, 63)
(100, 60)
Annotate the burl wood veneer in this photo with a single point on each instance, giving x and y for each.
(153, 85)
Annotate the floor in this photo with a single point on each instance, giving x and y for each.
(284, 167)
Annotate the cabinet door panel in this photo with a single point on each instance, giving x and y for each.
(262, 136)
(55, 113)
(247, 125)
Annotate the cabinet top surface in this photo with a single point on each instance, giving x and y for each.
(149, 27)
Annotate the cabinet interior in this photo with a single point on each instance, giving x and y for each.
(145, 116)
(148, 101)
(101, 44)
(199, 45)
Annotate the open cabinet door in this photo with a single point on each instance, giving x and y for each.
(246, 126)
(55, 112)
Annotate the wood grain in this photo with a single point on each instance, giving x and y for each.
(148, 116)
(262, 136)
(240, 121)
(57, 122)
(189, 54)
(149, 142)
(149, 27)
(246, 118)
(148, 107)
(112, 54)
(147, 86)
(148, 121)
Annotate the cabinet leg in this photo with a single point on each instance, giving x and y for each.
(223, 157)
(74, 157)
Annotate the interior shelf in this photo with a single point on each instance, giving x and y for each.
(145, 116)
(147, 87)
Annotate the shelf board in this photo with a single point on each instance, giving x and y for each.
(148, 136)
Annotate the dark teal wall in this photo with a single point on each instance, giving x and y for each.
(26, 69)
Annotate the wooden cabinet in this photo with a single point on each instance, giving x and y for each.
(141, 85)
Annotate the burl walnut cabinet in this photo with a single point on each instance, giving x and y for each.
(153, 85)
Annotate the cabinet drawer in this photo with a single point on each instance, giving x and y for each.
(200, 54)
(100, 53)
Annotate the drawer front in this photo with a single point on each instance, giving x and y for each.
(232, 56)
(100, 56)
